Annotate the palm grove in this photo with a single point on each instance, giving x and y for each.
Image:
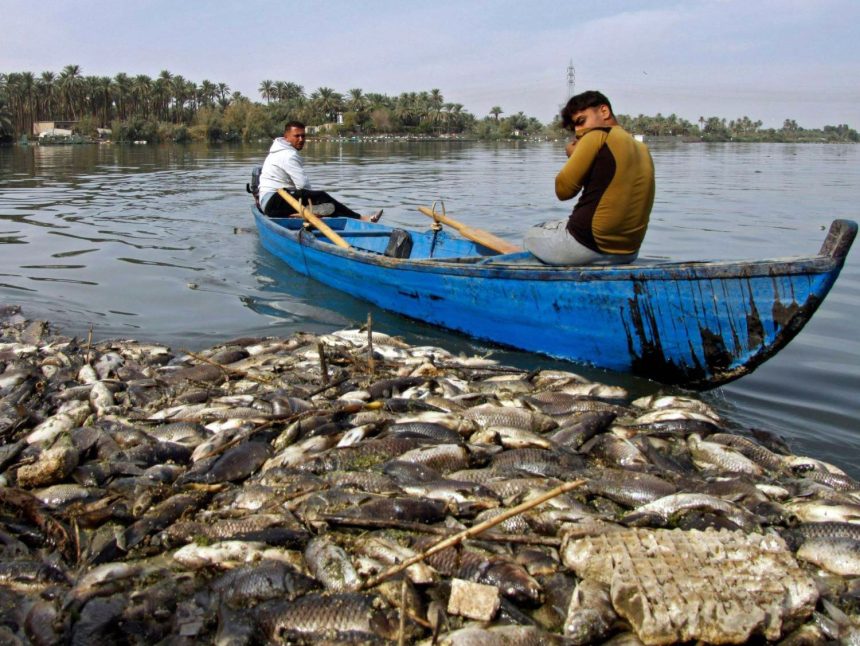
(171, 108)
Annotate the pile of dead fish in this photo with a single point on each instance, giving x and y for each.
(351, 488)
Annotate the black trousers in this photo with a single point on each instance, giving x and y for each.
(277, 207)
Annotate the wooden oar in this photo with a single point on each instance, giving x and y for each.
(305, 212)
(471, 233)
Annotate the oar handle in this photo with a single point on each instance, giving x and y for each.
(305, 212)
(476, 235)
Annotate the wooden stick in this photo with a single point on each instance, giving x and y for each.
(314, 220)
(471, 233)
(384, 523)
(472, 531)
(370, 344)
(323, 364)
(401, 637)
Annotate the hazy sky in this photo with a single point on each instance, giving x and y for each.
(766, 59)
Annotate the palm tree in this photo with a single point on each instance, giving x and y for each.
(70, 86)
(223, 89)
(266, 90)
(28, 94)
(6, 127)
(45, 91)
(291, 92)
(327, 102)
(496, 111)
(178, 88)
(105, 89)
(207, 92)
(357, 102)
(141, 89)
(121, 93)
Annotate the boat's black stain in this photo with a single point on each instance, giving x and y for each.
(414, 295)
(434, 297)
(717, 356)
(649, 360)
(784, 314)
(755, 329)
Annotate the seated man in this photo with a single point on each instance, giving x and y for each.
(285, 169)
(616, 175)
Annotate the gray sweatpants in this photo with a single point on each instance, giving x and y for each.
(552, 243)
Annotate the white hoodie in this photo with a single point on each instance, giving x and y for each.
(283, 168)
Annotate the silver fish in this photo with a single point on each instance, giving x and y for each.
(839, 555)
(330, 565)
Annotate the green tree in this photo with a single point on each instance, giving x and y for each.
(267, 90)
(326, 103)
(122, 87)
(496, 111)
(70, 87)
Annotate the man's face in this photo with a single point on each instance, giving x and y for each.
(591, 118)
(296, 137)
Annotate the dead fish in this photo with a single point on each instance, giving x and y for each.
(837, 625)
(489, 415)
(155, 520)
(362, 456)
(555, 464)
(349, 616)
(840, 555)
(578, 430)
(509, 577)
(679, 503)
(422, 510)
(560, 403)
(763, 457)
(30, 576)
(223, 554)
(591, 616)
(238, 462)
(63, 494)
(434, 432)
(468, 498)
(816, 511)
(611, 449)
(52, 466)
(629, 488)
(511, 438)
(268, 579)
(443, 458)
(720, 456)
(390, 552)
(330, 565)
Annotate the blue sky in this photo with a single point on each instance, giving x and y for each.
(767, 59)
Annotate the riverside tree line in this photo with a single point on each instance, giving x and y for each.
(171, 108)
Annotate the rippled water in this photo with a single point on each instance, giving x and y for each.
(157, 243)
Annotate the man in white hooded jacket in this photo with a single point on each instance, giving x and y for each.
(285, 169)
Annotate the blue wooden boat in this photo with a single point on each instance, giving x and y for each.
(699, 324)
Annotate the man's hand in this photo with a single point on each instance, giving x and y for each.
(570, 146)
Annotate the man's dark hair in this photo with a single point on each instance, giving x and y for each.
(579, 102)
(293, 124)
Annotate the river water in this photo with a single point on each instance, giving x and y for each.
(157, 243)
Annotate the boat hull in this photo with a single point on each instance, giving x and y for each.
(697, 324)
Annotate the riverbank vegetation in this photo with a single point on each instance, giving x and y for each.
(171, 108)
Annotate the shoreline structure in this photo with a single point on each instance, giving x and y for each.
(349, 487)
